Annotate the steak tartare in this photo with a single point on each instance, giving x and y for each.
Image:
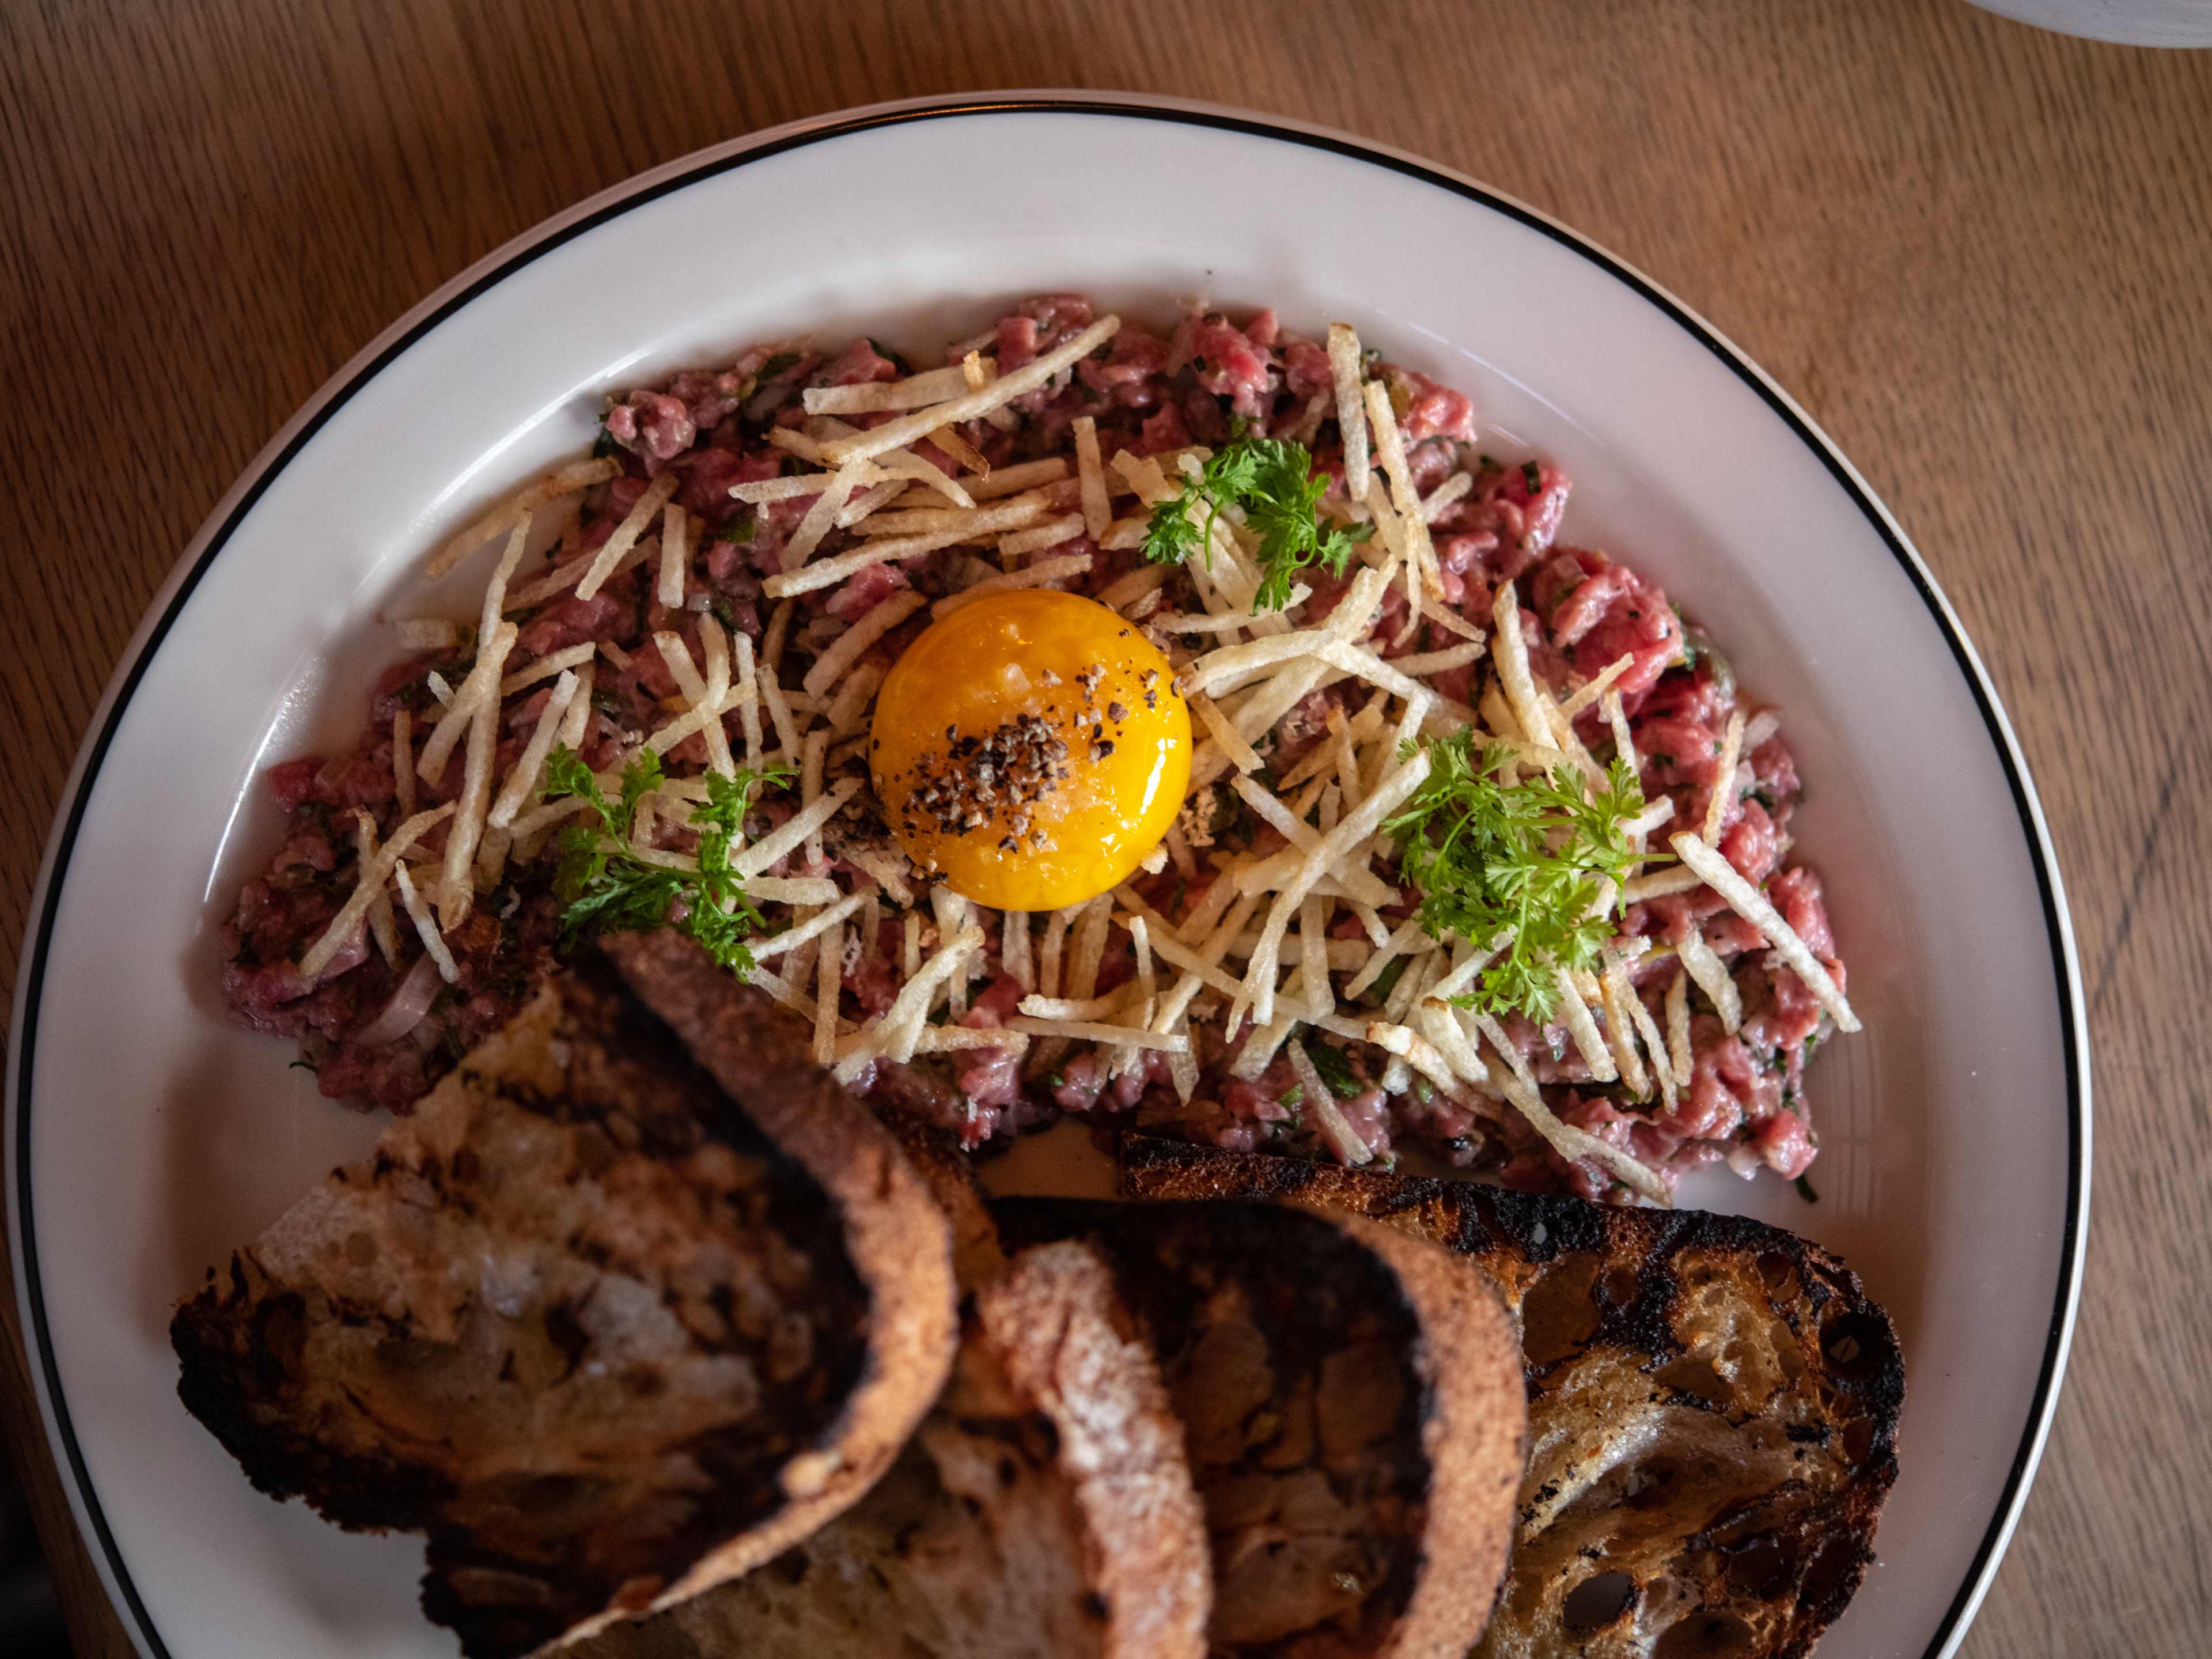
(1680, 1040)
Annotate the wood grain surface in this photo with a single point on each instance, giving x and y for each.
(1980, 255)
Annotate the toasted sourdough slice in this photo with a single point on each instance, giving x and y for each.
(1712, 1406)
(1045, 1511)
(607, 1331)
(1353, 1411)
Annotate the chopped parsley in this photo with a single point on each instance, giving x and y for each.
(1529, 856)
(1335, 1070)
(1273, 480)
(606, 887)
(1689, 646)
(1387, 981)
(1805, 1190)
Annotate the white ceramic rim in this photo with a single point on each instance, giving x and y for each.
(209, 543)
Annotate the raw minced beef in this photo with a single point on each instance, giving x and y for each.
(1208, 378)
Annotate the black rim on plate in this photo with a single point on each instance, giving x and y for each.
(333, 399)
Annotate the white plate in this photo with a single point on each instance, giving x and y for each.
(146, 1137)
(2127, 22)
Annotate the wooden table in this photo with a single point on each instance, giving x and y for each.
(1980, 255)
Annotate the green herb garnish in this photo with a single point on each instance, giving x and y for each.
(1387, 981)
(1805, 1190)
(1335, 1070)
(1273, 480)
(1488, 856)
(606, 887)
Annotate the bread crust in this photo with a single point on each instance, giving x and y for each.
(895, 1234)
(1647, 1331)
(1045, 1509)
(977, 1256)
(1312, 1300)
(607, 1332)
(1054, 1326)
(1476, 1435)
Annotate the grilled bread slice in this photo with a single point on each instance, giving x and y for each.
(1045, 1510)
(1351, 1399)
(1712, 1406)
(609, 1329)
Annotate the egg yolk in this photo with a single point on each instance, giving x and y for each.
(1030, 748)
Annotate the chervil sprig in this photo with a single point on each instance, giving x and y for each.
(1273, 481)
(1529, 856)
(606, 887)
